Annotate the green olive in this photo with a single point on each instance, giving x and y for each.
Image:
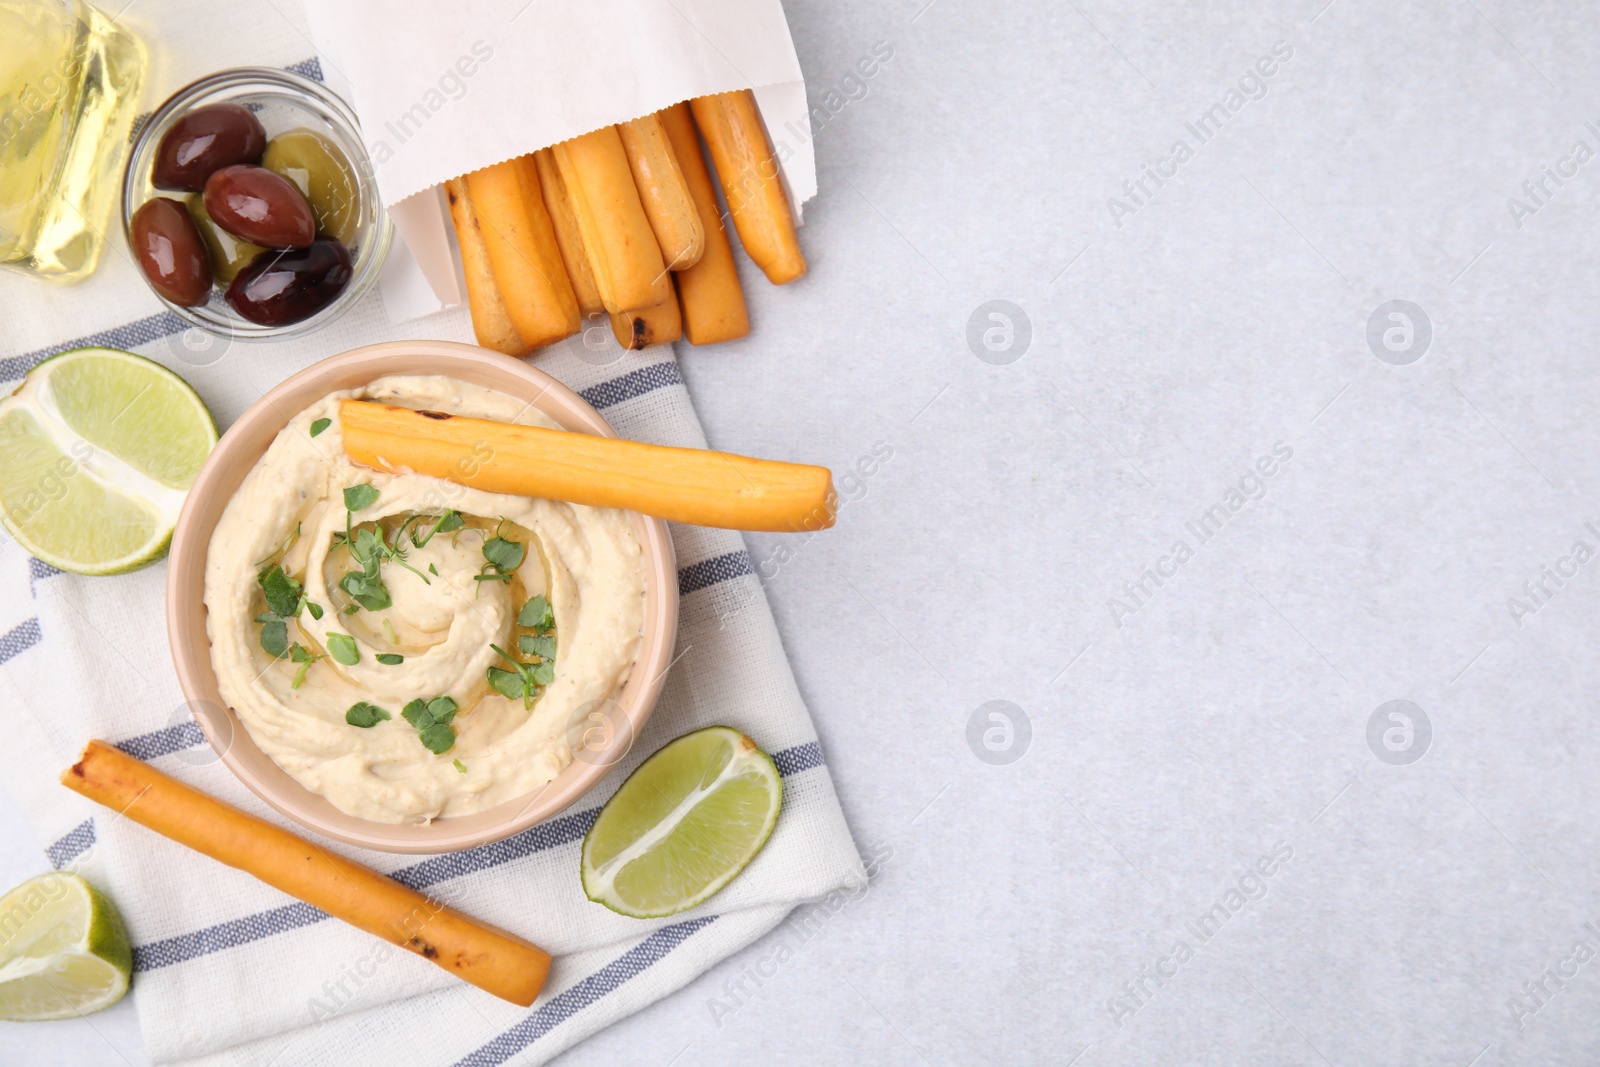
(321, 172)
(229, 255)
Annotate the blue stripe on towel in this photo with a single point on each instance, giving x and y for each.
(19, 639)
(799, 758)
(634, 383)
(569, 1002)
(134, 334)
(563, 830)
(722, 568)
(163, 742)
(37, 569)
(224, 935)
(72, 845)
(307, 68)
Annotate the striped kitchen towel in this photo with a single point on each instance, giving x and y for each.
(229, 971)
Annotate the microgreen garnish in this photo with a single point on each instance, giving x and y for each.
(390, 659)
(524, 682)
(369, 548)
(367, 590)
(388, 631)
(424, 714)
(503, 553)
(536, 615)
(305, 657)
(365, 715)
(431, 720)
(449, 520)
(462, 767)
(282, 592)
(366, 586)
(504, 557)
(284, 601)
(508, 684)
(320, 425)
(342, 647)
(274, 635)
(314, 608)
(433, 570)
(543, 646)
(359, 496)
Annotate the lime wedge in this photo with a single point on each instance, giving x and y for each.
(682, 825)
(99, 447)
(64, 950)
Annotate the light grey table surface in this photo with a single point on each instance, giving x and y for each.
(1427, 867)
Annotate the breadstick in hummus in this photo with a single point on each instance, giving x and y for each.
(691, 485)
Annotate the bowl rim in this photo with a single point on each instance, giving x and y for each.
(367, 266)
(238, 451)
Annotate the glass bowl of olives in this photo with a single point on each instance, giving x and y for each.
(249, 205)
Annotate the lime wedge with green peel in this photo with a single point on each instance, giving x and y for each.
(97, 449)
(63, 950)
(682, 825)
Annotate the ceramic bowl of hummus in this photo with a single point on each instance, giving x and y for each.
(397, 661)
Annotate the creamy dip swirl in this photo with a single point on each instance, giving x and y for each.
(585, 561)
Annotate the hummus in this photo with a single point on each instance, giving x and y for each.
(380, 580)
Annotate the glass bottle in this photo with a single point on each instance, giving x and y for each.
(69, 87)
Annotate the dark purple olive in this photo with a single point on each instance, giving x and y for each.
(168, 249)
(204, 141)
(278, 288)
(261, 207)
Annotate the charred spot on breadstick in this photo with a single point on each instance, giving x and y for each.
(434, 415)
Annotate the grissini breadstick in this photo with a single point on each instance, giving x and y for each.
(709, 292)
(568, 237)
(662, 191)
(751, 182)
(680, 484)
(644, 327)
(490, 959)
(622, 248)
(521, 244)
(490, 322)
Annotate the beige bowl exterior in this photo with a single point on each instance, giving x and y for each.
(244, 443)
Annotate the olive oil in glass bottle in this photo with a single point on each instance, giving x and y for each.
(69, 86)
